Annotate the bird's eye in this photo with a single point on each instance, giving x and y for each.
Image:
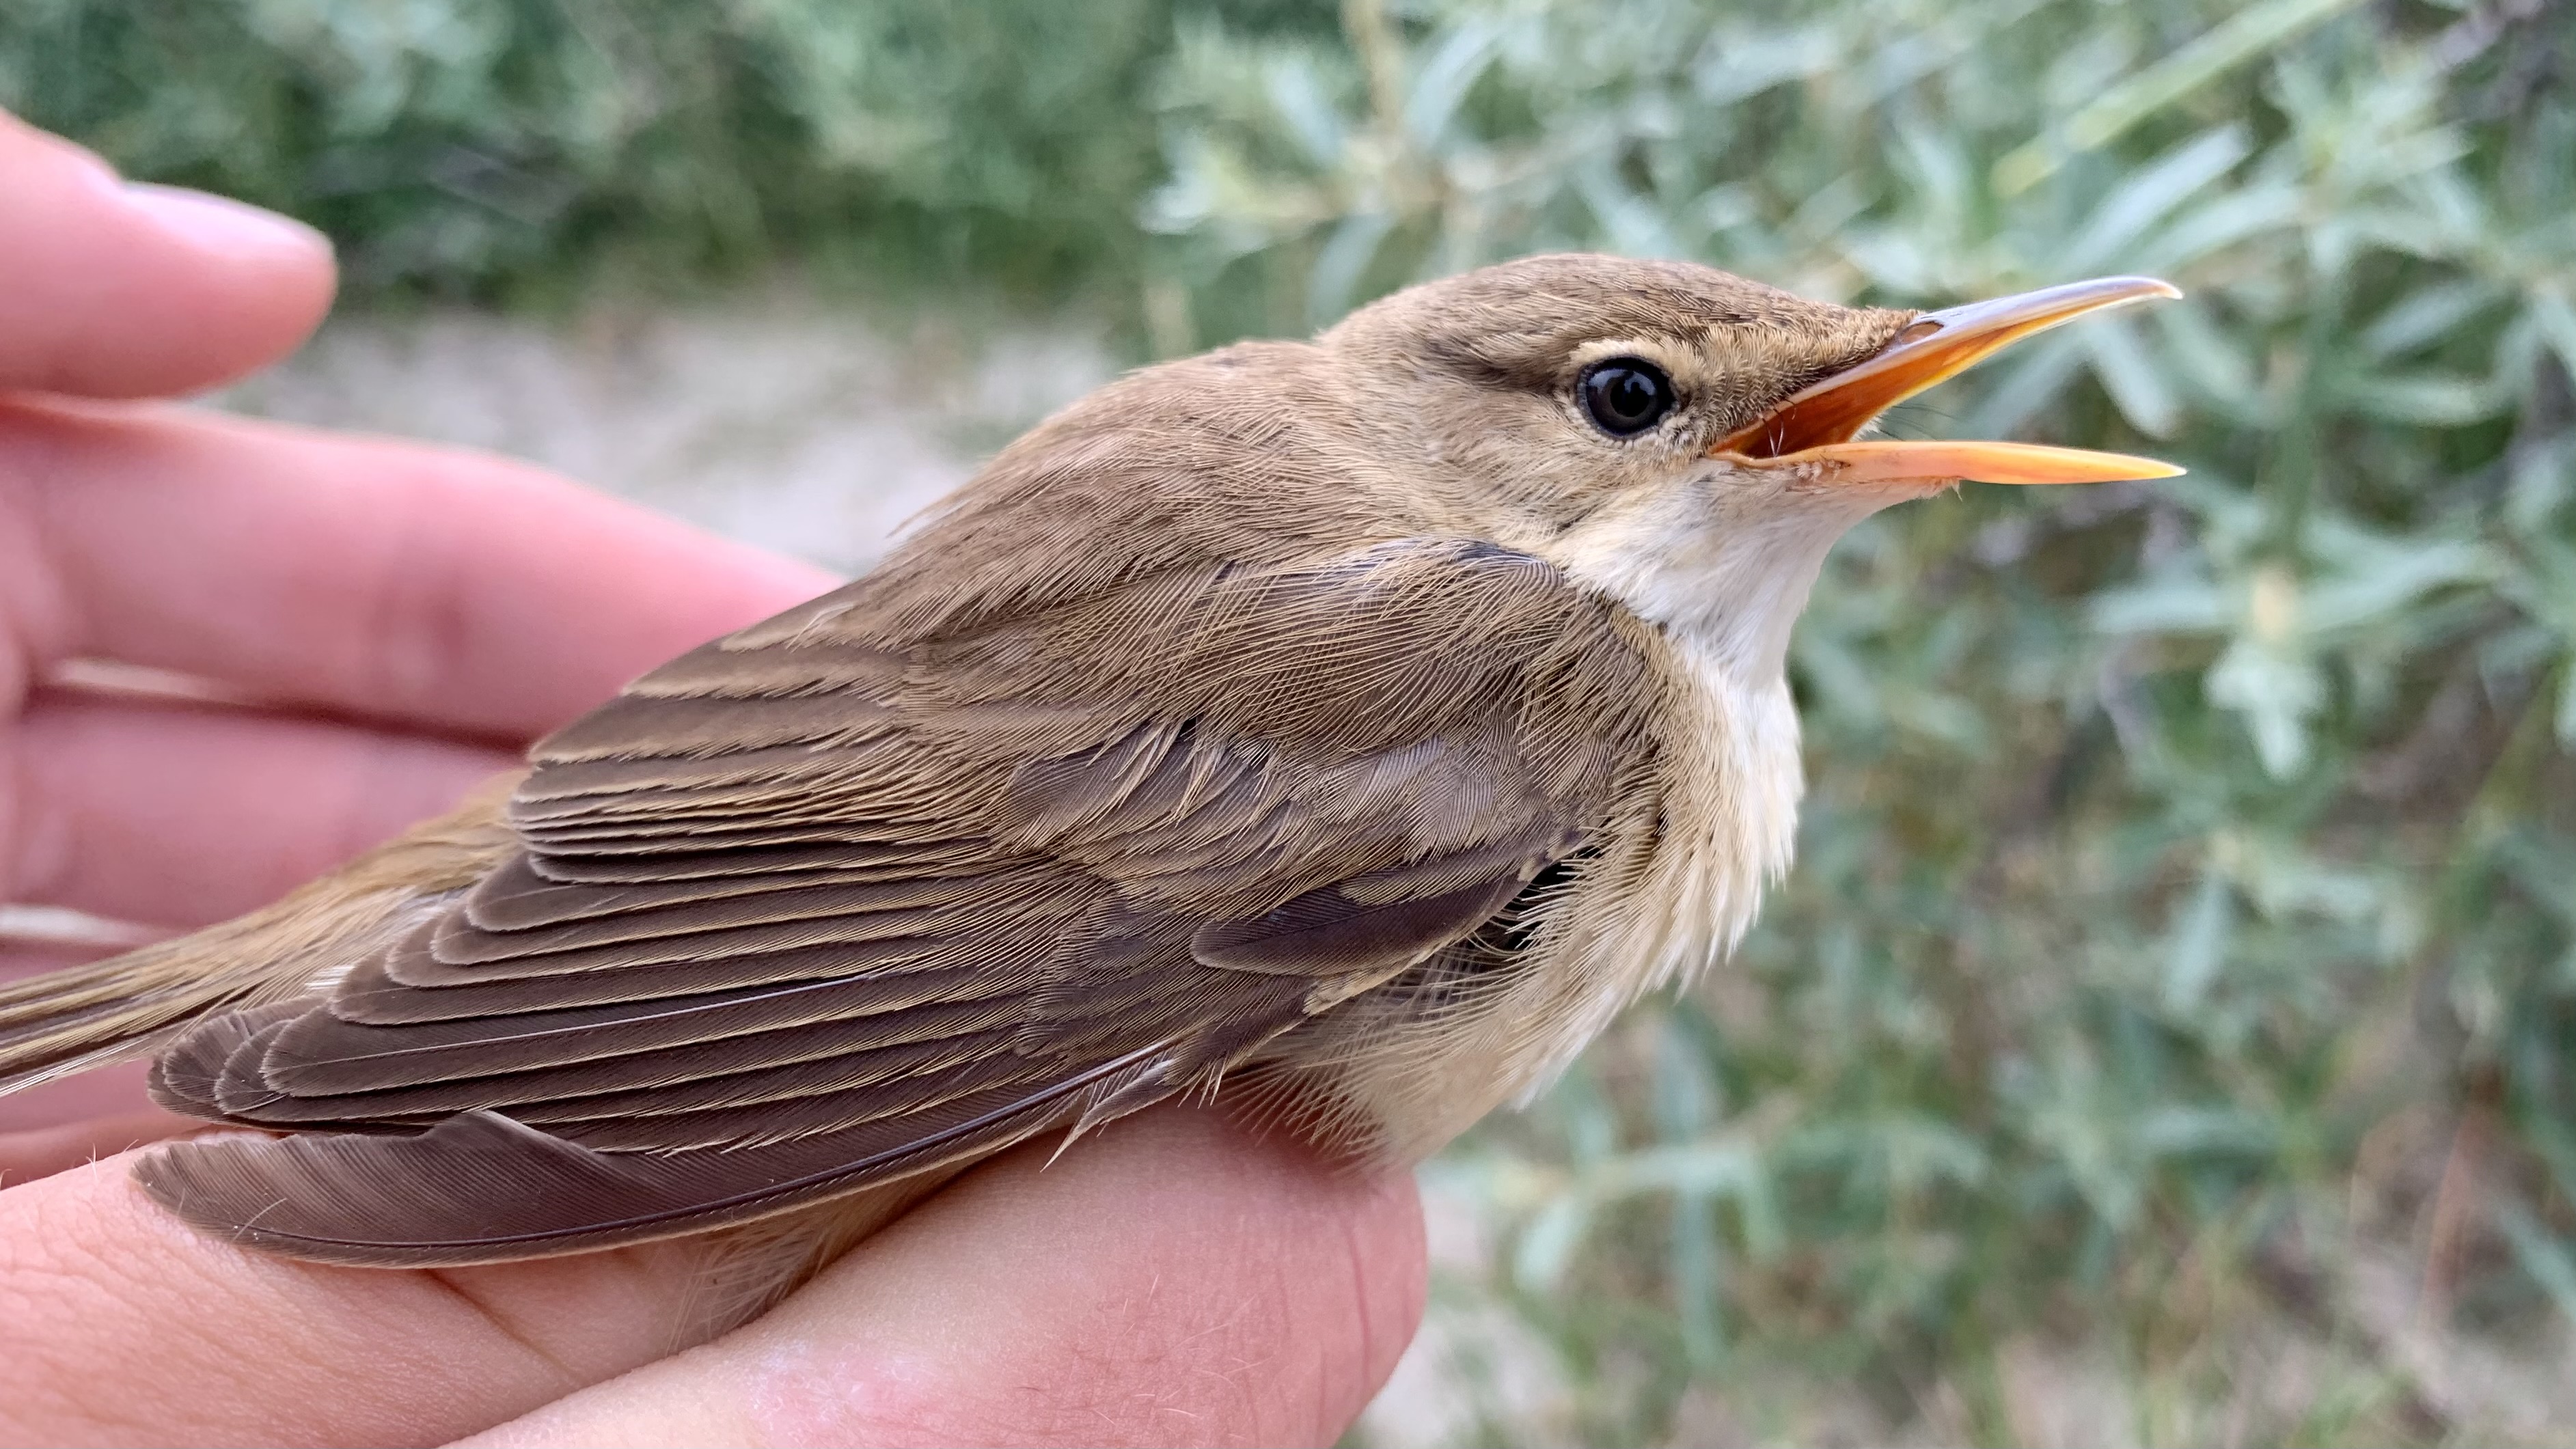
(1626, 395)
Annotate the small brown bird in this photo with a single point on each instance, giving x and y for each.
(1359, 722)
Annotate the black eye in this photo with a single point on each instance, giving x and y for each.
(1626, 395)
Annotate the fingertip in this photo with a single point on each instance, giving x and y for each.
(245, 239)
(1390, 1235)
(135, 290)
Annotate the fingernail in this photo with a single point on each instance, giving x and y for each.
(232, 229)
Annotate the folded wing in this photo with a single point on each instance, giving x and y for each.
(829, 903)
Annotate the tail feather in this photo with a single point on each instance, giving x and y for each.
(133, 1005)
(70, 1021)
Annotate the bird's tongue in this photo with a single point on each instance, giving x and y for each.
(1815, 427)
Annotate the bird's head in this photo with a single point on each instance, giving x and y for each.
(1681, 438)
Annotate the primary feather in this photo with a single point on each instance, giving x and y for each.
(1085, 887)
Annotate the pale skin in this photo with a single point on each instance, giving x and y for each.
(398, 621)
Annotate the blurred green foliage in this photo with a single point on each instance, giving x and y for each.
(521, 149)
(2185, 935)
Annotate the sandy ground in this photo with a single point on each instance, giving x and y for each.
(798, 428)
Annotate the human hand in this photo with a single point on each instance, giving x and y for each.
(376, 626)
(393, 621)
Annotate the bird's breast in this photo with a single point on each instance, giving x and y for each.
(1732, 780)
(1670, 888)
(1725, 828)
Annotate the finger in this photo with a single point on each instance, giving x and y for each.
(179, 815)
(1132, 1296)
(125, 1326)
(43, 1151)
(108, 1092)
(141, 291)
(391, 580)
(70, 1120)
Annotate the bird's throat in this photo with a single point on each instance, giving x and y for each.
(1720, 567)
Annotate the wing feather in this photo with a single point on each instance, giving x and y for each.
(829, 902)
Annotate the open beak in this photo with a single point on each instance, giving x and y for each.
(1815, 427)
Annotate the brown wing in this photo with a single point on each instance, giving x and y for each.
(822, 904)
